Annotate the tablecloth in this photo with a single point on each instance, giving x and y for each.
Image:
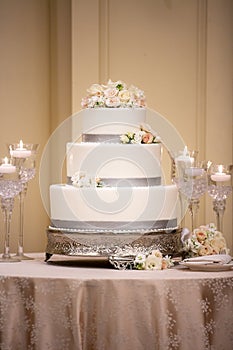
(68, 304)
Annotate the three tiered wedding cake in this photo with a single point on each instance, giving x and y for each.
(114, 175)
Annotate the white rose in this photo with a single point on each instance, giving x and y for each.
(124, 96)
(124, 139)
(157, 253)
(140, 258)
(139, 261)
(95, 89)
(114, 84)
(137, 138)
(113, 102)
(85, 102)
(153, 263)
(111, 92)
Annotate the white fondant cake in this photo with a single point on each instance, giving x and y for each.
(116, 161)
(111, 208)
(111, 121)
(114, 175)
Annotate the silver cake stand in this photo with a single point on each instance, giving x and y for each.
(120, 247)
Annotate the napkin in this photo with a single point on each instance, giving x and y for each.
(208, 259)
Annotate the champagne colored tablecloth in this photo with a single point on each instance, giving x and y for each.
(71, 304)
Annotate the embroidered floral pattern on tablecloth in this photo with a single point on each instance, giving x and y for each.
(67, 314)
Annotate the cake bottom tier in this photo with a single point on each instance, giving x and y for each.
(113, 209)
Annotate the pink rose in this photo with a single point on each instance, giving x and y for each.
(147, 138)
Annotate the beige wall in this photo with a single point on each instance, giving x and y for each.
(178, 51)
(34, 92)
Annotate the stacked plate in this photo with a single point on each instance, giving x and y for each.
(218, 262)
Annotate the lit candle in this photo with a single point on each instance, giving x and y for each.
(6, 167)
(185, 157)
(220, 176)
(20, 152)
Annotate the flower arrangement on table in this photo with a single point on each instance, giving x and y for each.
(81, 179)
(113, 95)
(152, 261)
(205, 240)
(144, 135)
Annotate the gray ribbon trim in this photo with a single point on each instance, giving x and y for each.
(109, 138)
(128, 182)
(115, 225)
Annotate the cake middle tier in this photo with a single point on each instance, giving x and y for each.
(135, 164)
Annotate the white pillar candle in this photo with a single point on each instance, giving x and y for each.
(6, 167)
(20, 152)
(184, 157)
(220, 176)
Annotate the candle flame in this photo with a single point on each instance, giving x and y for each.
(185, 152)
(220, 168)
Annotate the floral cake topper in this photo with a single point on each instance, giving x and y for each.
(114, 95)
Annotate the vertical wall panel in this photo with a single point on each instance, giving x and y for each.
(219, 111)
(85, 48)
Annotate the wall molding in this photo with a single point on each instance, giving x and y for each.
(103, 41)
(201, 77)
(201, 94)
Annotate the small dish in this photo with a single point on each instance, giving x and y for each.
(200, 266)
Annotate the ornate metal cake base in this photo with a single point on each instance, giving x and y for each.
(119, 247)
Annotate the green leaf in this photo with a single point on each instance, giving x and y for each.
(119, 87)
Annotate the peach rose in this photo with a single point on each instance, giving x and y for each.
(218, 243)
(164, 264)
(205, 250)
(201, 235)
(147, 138)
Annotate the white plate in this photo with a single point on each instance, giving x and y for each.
(200, 266)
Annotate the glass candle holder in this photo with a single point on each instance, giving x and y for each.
(10, 187)
(220, 187)
(24, 158)
(192, 185)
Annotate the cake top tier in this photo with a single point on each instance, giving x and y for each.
(114, 95)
